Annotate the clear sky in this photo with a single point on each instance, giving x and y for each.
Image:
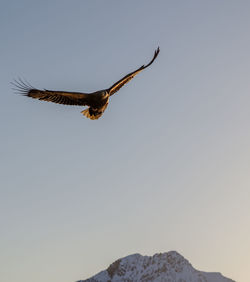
(167, 167)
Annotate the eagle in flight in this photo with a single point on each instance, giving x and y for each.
(97, 102)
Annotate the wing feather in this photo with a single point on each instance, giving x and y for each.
(59, 97)
(115, 87)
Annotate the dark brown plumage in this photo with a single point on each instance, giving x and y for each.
(97, 101)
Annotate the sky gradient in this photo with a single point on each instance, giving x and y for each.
(167, 165)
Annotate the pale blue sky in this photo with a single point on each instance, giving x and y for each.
(165, 168)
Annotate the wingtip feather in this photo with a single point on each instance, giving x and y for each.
(21, 87)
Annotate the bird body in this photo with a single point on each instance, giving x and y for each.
(97, 101)
(100, 101)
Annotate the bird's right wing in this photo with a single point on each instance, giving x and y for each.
(115, 87)
(60, 97)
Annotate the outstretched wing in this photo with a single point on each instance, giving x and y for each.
(114, 88)
(60, 97)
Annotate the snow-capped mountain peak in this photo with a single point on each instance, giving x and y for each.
(164, 267)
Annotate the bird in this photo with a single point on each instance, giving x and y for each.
(97, 102)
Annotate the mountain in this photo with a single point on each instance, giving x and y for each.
(166, 267)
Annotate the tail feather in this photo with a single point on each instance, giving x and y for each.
(87, 114)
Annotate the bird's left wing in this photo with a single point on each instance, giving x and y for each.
(60, 97)
(115, 87)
